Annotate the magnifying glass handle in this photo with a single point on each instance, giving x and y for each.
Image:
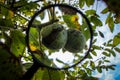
(31, 71)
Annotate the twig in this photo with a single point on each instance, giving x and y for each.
(44, 24)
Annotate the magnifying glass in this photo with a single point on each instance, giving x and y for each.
(52, 37)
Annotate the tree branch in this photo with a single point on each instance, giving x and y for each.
(44, 24)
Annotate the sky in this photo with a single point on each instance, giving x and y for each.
(111, 74)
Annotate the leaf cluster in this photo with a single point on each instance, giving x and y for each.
(14, 18)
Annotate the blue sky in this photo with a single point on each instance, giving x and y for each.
(110, 74)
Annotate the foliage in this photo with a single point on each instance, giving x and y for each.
(14, 18)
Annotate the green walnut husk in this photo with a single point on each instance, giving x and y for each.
(76, 41)
(54, 36)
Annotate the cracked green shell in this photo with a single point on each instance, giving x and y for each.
(76, 41)
(54, 36)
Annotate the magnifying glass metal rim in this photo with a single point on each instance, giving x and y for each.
(58, 5)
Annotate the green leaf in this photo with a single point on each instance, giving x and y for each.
(109, 43)
(7, 12)
(12, 72)
(104, 43)
(111, 67)
(106, 54)
(95, 34)
(34, 36)
(106, 68)
(88, 71)
(99, 63)
(108, 17)
(90, 12)
(111, 24)
(20, 3)
(86, 33)
(9, 66)
(94, 41)
(107, 61)
(71, 21)
(46, 75)
(116, 40)
(99, 69)
(89, 2)
(94, 53)
(101, 34)
(51, 75)
(96, 47)
(18, 42)
(104, 11)
(96, 21)
(81, 3)
(111, 51)
(27, 65)
(89, 57)
(42, 15)
(62, 75)
(6, 23)
(117, 49)
(4, 11)
(85, 30)
(92, 64)
(38, 75)
(4, 55)
(85, 64)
